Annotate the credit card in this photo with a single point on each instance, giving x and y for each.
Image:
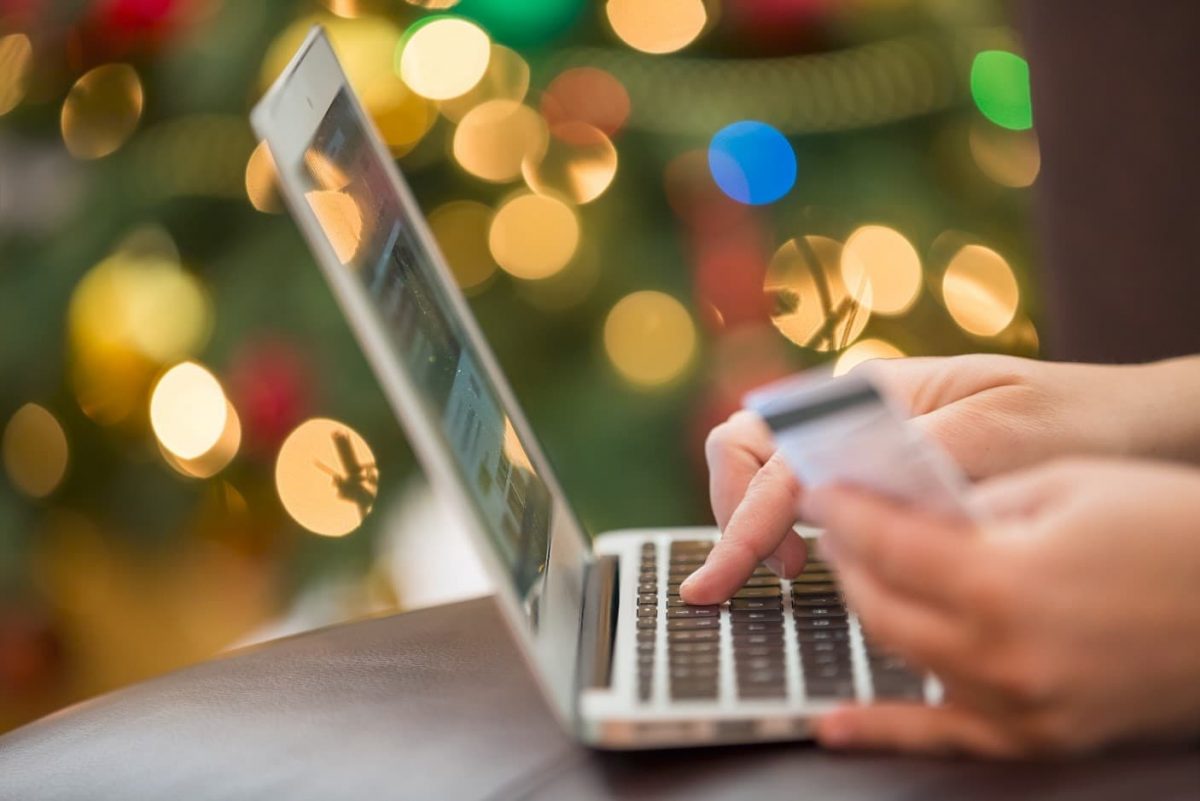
(846, 430)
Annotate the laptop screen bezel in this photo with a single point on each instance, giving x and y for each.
(287, 118)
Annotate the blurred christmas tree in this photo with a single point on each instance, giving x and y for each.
(652, 204)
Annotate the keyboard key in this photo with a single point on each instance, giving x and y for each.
(647, 611)
(773, 650)
(648, 586)
(647, 598)
(818, 613)
(694, 692)
(820, 673)
(762, 581)
(756, 614)
(700, 635)
(829, 688)
(645, 623)
(821, 623)
(753, 626)
(693, 648)
(817, 600)
(756, 603)
(822, 635)
(676, 612)
(759, 638)
(813, 578)
(815, 589)
(682, 624)
(693, 673)
(759, 592)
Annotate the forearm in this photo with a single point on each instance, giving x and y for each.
(1164, 412)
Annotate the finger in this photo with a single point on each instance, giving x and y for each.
(915, 729)
(923, 635)
(1024, 494)
(757, 527)
(736, 450)
(915, 553)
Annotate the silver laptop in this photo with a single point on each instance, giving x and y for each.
(623, 662)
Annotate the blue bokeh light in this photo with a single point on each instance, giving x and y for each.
(752, 162)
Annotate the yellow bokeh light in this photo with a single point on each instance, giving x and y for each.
(579, 163)
(495, 138)
(657, 26)
(262, 180)
(507, 78)
(216, 458)
(341, 219)
(444, 58)
(35, 451)
(885, 259)
(433, 5)
(102, 111)
(366, 47)
(326, 477)
(863, 351)
(534, 236)
(980, 291)
(188, 410)
(16, 68)
(461, 229)
(813, 307)
(650, 338)
(1010, 158)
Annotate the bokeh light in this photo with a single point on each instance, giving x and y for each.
(366, 47)
(433, 5)
(980, 291)
(1000, 88)
(863, 351)
(579, 164)
(35, 451)
(188, 410)
(443, 57)
(752, 162)
(650, 338)
(134, 311)
(657, 26)
(326, 477)
(812, 306)
(16, 67)
(494, 139)
(1010, 158)
(888, 262)
(216, 458)
(101, 111)
(506, 78)
(589, 95)
(524, 22)
(341, 219)
(534, 236)
(262, 180)
(461, 229)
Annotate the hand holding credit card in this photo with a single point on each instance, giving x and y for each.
(846, 430)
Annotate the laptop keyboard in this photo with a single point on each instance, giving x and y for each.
(755, 618)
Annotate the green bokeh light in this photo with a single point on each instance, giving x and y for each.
(1000, 88)
(522, 23)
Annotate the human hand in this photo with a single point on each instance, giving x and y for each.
(1069, 621)
(991, 413)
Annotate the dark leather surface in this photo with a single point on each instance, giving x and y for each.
(437, 704)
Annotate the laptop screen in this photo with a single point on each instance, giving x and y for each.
(351, 195)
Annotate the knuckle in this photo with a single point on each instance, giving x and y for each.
(1024, 680)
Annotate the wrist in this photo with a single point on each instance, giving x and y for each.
(1163, 412)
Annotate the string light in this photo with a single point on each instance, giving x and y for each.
(980, 291)
(813, 307)
(1010, 158)
(16, 68)
(326, 477)
(188, 410)
(495, 138)
(752, 162)
(650, 338)
(657, 26)
(35, 451)
(1000, 88)
(443, 57)
(101, 111)
(588, 95)
(534, 236)
(262, 180)
(507, 78)
(862, 351)
(461, 230)
(882, 257)
(579, 163)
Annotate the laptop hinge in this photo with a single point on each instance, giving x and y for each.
(599, 632)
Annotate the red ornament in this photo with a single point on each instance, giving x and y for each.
(269, 384)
